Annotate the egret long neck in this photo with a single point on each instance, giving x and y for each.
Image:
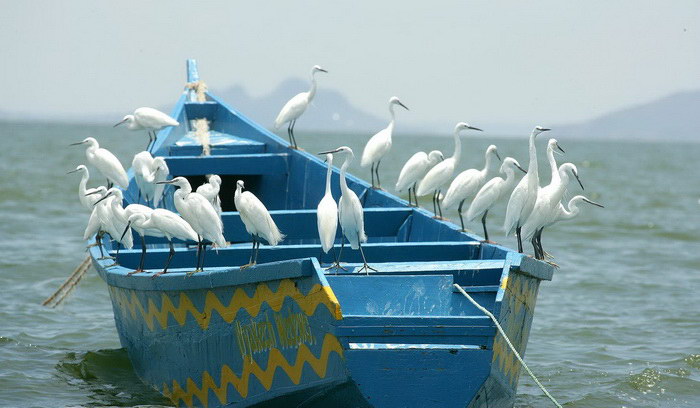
(312, 90)
(343, 183)
(560, 187)
(488, 165)
(458, 147)
(510, 178)
(82, 187)
(572, 212)
(552, 164)
(329, 173)
(532, 167)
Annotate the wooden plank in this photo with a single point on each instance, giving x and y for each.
(240, 164)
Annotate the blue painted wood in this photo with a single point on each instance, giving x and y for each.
(286, 332)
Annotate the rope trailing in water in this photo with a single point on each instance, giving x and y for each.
(512, 348)
(68, 285)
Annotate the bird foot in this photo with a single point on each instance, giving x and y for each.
(552, 263)
(248, 265)
(548, 255)
(92, 245)
(437, 217)
(190, 273)
(412, 205)
(135, 271)
(158, 274)
(112, 265)
(102, 258)
(336, 266)
(488, 241)
(377, 188)
(366, 268)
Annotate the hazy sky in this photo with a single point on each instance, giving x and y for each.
(487, 61)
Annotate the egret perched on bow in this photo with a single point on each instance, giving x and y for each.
(119, 215)
(210, 191)
(85, 195)
(161, 223)
(160, 173)
(327, 214)
(523, 197)
(379, 144)
(351, 215)
(296, 106)
(440, 175)
(468, 183)
(94, 225)
(144, 175)
(492, 191)
(257, 221)
(200, 214)
(149, 119)
(415, 169)
(106, 162)
(547, 206)
(112, 221)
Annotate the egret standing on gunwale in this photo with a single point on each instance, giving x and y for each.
(379, 144)
(106, 162)
(350, 212)
(296, 106)
(523, 197)
(468, 183)
(94, 225)
(142, 165)
(492, 191)
(440, 175)
(200, 214)
(148, 119)
(210, 190)
(327, 214)
(414, 170)
(257, 220)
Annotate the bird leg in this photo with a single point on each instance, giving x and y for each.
(483, 223)
(371, 171)
(410, 204)
(437, 200)
(376, 170)
(143, 257)
(167, 263)
(252, 252)
(459, 211)
(150, 140)
(336, 263)
(365, 266)
(199, 253)
(520, 242)
(294, 123)
(109, 184)
(535, 247)
(257, 249)
(289, 135)
(434, 204)
(204, 254)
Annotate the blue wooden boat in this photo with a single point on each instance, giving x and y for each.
(288, 333)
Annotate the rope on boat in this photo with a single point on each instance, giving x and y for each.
(201, 131)
(512, 348)
(68, 285)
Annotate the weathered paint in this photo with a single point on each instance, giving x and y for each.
(288, 332)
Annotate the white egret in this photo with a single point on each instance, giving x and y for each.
(492, 191)
(200, 214)
(143, 175)
(523, 197)
(167, 224)
(136, 222)
(547, 205)
(106, 162)
(94, 225)
(379, 144)
(440, 175)
(327, 214)
(149, 119)
(296, 106)
(85, 195)
(350, 212)
(468, 183)
(112, 219)
(415, 169)
(160, 173)
(210, 191)
(257, 221)
(553, 147)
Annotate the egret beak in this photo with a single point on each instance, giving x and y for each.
(579, 180)
(323, 70)
(128, 224)
(560, 149)
(497, 155)
(75, 144)
(94, 192)
(474, 128)
(166, 182)
(521, 169)
(106, 195)
(442, 157)
(593, 202)
(330, 151)
(404, 106)
(73, 171)
(120, 122)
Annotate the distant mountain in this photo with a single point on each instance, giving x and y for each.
(330, 110)
(673, 117)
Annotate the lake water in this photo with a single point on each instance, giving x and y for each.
(619, 326)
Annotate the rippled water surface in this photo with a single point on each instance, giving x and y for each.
(619, 326)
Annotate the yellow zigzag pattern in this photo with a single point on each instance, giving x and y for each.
(276, 359)
(308, 303)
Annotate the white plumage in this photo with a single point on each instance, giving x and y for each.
(327, 212)
(148, 119)
(160, 173)
(257, 220)
(380, 144)
(111, 216)
(415, 169)
(523, 197)
(106, 162)
(142, 164)
(210, 190)
(87, 196)
(492, 192)
(441, 174)
(295, 107)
